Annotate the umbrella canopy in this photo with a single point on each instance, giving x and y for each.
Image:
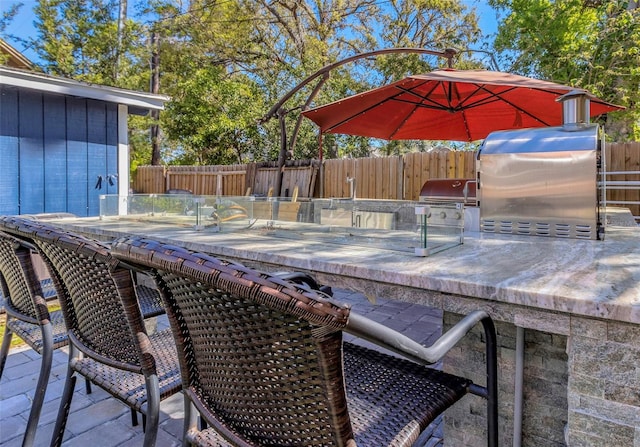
(459, 105)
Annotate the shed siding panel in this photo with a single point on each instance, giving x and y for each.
(9, 150)
(55, 147)
(97, 155)
(77, 177)
(31, 152)
(112, 148)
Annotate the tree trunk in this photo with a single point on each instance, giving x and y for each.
(155, 88)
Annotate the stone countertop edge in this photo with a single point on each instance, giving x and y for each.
(598, 279)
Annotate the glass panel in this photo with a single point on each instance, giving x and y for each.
(403, 226)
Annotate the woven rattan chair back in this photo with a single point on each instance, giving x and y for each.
(261, 358)
(19, 292)
(88, 293)
(28, 317)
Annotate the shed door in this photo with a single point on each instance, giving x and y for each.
(92, 158)
(57, 153)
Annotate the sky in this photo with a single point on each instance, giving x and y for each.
(22, 24)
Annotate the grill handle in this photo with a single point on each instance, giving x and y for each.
(465, 190)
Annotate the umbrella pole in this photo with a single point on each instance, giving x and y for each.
(283, 152)
(320, 156)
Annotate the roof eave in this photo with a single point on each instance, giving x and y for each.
(54, 84)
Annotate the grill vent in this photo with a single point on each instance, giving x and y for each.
(543, 229)
(548, 229)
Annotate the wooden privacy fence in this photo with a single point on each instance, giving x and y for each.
(374, 178)
(229, 180)
(206, 180)
(394, 177)
(149, 180)
(624, 189)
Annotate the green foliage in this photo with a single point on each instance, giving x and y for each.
(263, 49)
(139, 141)
(225, 63)
(213, 118)
(79, 39)
(588, 44)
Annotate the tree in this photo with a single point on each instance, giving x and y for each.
(224, 62)
(82, 40)
(5, 19)
(213, 118)
(591, 44)
(278, 43)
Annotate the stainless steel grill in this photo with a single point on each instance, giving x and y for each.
(459, 190)
(542, 182)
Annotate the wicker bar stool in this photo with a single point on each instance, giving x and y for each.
(24, 300)
(108, 342)
(48, 293)
(264, 364)
(148, 298)
(29, 318)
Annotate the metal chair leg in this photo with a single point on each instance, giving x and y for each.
(6, 343)
(190, 414)
(134, 417)
(63, 410)
(153, 411)
(41, 387)
(492, 381)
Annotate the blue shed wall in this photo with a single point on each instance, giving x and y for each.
(9, 149)
(57, 153)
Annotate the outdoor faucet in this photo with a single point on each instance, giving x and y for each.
(352, 187)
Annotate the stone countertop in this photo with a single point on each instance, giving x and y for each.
(584, 277)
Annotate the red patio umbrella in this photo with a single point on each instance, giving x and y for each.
(459, 105)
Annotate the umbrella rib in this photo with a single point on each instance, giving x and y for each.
(350, 117)
(422, 98)
(438, 106)
(500, 98)
(462, 106)
(466, 126)
(390, 98)
(416, 105)
(462, 111)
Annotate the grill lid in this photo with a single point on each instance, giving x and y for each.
(449, 190)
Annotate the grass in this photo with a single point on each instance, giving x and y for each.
(15, 340)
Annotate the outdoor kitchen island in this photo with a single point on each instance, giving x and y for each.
(567, 313)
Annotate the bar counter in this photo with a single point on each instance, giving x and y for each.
(567, 313)
(583, 277)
